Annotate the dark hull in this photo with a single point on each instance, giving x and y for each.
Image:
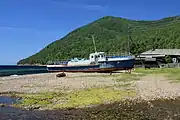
(102, 67)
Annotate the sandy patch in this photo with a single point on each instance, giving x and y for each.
(49, 82)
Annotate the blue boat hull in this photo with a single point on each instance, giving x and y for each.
(108, 66)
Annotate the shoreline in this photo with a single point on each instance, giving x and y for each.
(44, 94)
(136, 109)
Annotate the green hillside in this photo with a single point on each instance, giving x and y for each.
(111, 35)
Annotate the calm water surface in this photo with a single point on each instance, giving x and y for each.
(8, 100)
(7, 70)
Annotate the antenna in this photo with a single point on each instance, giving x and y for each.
(94, 43)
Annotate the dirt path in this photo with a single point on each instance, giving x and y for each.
(157, 86)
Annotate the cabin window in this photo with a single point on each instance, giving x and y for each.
(92, 57)
(99, 56)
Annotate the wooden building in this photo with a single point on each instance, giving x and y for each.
(156, 57)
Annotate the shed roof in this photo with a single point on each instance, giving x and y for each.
(162, 52)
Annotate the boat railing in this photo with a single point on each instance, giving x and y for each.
(116, 54)
(108, 54)
(62, 62)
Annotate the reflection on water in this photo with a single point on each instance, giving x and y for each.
(8, 100)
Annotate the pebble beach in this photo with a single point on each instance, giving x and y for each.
(152, 88)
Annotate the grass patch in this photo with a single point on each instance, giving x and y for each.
(149, 71)
(127, 78)
(171, 73)
(157, 70)
(174, 75)
(123, 85)
(31, 101)
(41, 99)
(80, 98)
(98, 75)
(94, 96)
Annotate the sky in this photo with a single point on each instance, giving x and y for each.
(27, 26)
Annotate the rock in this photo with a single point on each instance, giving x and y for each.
(33, 107)
(37, 107)
(61, 75)
(2, 105)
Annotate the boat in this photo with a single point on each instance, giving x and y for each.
(97, 62)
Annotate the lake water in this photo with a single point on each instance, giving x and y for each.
(7, 70)
(8, 100)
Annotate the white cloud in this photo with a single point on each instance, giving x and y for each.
(9, 27)
(94, 7)
(69, 4)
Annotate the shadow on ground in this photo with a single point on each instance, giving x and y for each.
(159, 109)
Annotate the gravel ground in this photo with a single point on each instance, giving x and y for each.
(148, 87)
(157, 86)
(48, 82)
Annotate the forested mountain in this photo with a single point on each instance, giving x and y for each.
(112, 35)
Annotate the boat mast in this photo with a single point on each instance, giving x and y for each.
(94, 43)
(129, 38)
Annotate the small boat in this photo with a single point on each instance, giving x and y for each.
(97, 62)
